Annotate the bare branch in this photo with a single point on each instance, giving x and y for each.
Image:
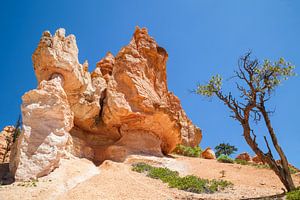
(268, 146)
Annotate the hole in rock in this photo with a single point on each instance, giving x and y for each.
(110, 144)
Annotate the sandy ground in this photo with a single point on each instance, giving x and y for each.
(80, 179)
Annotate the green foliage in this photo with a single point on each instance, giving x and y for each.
(163, 174)
(9, 140)
(266, 77)
(30, 183)
(216, 185)
(260, 166)
(270, 75)
(17, 131)
(214, 85)
(241, 162)
(225, 148)
(141, 167)
(188, 151)
(293, 170)
(244, 162)
(225, 159)
(188, 183)
(293, 195)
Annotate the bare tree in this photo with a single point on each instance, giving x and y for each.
(256, 83)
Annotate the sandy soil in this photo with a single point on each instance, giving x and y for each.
(81, 179)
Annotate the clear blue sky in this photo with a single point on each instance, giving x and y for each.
(202, 38)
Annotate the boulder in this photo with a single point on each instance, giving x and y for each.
(257, 159)
(208, 153)
(122, 107)
(244, 156)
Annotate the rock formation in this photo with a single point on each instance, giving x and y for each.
(244, 156)
(257, 159)
(208, 153)
(6, 140)
(123, 107)
(47, 118)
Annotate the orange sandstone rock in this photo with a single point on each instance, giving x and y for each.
(257, 159)
(123, 107)
(208, 153)
(6, 140)
(244, 156)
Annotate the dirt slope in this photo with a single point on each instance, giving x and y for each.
(80, 179)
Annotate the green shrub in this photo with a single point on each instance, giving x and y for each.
(225, 159)
(29, 183)
(241, 162)
(216, 185)
(188, 183)
(164, 174)
(293, 195)
(260, 166)
(293, 170)
(188, 151)
(244, 162)
(141, 167)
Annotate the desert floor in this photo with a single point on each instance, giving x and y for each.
(80, 179)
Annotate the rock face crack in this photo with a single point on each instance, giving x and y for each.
(101, 102)
(121, 108)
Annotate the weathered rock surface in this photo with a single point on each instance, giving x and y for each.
(244, 156)
(6, 140)
(208, 153)
(47, 118)
(123, 107)
(257, 159)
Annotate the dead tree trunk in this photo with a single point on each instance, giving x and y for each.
(280, 171)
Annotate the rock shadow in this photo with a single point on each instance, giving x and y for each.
(5, 176)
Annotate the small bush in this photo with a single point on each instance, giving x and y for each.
(260, 166)
(244, 162)
(164, 174)
(241, 162)
(188, 151)
(293, 195)
(216, 185)
(141, 167)
(30, 183)
(188, 183)
(225, 159)
(293, 170)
